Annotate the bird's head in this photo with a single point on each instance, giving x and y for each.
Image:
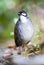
(22, 12)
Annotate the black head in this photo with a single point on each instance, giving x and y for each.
(22, 12)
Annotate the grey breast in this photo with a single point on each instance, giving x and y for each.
(23, 32)
(26, 30)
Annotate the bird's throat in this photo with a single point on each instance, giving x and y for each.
(23, 19)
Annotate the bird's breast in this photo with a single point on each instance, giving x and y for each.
(26, 31)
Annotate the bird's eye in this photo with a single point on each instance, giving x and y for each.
(24, 14)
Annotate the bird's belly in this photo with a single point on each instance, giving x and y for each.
(26, 32)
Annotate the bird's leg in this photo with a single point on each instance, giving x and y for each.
(24, 50)
(19, 49)
(23, 47)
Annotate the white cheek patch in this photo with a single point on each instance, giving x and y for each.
(24, 14)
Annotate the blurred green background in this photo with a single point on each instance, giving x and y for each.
(9, 16)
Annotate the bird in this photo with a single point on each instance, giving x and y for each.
(24, 29)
